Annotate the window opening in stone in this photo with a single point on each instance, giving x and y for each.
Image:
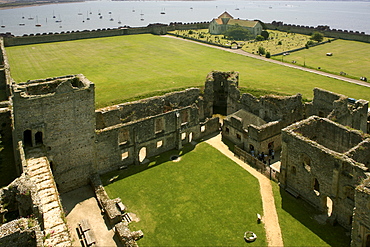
(251, 147)
(159, 125)
(142, 154)
(203, 128)
(227, 130)
(270, 145)
(38, 138)
(27, 138)
(183, 136)
(124, 155)
(123, 136)
(184, 116)
(159, 144)
(329, 205)
(294, 170)
(238, 136)
(350, 193)
(191, 137)
(316, 187)
(306, 161)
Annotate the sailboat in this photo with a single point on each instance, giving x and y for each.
(163, 12)
(2, 25)
(54, 15)
(87, 18)
(59, 20)
(37, 22)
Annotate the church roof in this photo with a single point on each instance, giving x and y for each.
(226, 18)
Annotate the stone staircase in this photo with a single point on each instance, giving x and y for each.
(55, 229)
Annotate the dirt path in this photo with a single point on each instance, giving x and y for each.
(270, 218)
(244, 53)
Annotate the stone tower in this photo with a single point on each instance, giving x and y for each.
(56, 118)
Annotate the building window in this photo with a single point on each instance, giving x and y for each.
(38, 138)
(185, 116)
(183, 136)
(159, 125)
(159, 144)
(202, 128)
(227, 130)
(142, 154)
(124, 155)
(123, 136)
(238, 136)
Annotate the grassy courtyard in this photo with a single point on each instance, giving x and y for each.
(124, 68)
(205, 199)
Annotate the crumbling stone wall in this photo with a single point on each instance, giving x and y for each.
(360, 234)
(57, 115)
(320, 172)
(150, 126)
(339, 108)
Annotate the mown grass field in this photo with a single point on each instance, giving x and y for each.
(350, 57)
(128, 67)
(298, 226)
(205, 199)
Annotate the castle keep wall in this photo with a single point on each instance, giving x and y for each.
(62, 122)
(318, 173)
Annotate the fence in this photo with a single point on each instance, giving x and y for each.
(256, 164)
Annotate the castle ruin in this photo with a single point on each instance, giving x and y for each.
(61, 143)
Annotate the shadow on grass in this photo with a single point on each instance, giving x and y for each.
(305, 213)
(153, 162)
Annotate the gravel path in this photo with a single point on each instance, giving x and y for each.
(244, 53)
(270, 217)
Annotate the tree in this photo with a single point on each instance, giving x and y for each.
(268, 54)
(237, 32)
(261, 50)
(260, 38)
(265, 34)
(316, 36)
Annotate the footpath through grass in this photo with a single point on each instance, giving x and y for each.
(298, 226)
(133, 66)
(205, 199)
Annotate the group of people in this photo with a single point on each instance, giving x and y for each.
(265, 158)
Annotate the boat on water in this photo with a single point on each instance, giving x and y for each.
(163, 12)
(21, 24)
(37, 22)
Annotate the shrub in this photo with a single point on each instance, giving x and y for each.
(261, 50)
(190, 32)
(260, 38)
(268, 55)
(280, 43)
(265, 34)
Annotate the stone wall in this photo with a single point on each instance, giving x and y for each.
(57, 115)
(339, 108)
(149, 127)
(320, 172)
(37, 38)
(361, 219)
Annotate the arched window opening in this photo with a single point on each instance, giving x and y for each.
(142, 154)
(27, 138)
(329, 205)
(316, 187)
(38, 138)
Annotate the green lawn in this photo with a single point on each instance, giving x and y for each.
(298, 226)
(205, 199)
(350, 57)
(127, 67)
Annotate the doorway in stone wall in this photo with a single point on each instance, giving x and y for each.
(27, 138)
(38, 138)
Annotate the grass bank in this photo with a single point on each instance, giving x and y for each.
(133, 66)
(205, 199)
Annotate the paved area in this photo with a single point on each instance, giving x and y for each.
(244, 53)
(270, 217)
(81, 204)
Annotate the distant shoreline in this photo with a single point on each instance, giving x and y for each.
(15, 5)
